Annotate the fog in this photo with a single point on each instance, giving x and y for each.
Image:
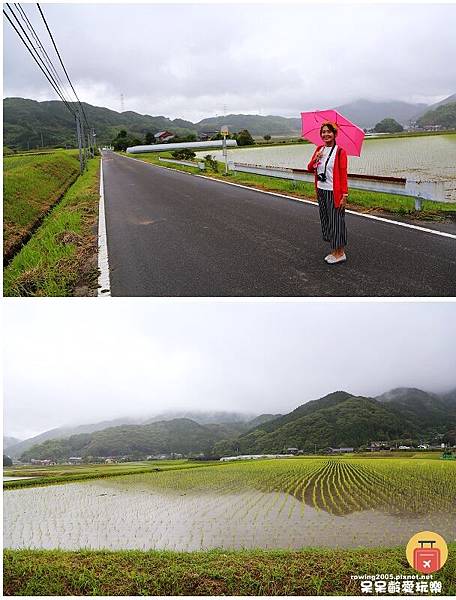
(78, 362)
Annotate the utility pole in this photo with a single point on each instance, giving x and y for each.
(81, 125)
(42, 143)
(78, 129)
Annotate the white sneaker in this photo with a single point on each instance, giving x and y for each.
(331, 259)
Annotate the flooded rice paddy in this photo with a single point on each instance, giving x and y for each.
(431, 158)
(270, 504)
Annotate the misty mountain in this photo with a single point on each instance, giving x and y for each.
(262, 419)
(239, 423)
(420, 407)
(366, 113)
(337, 419)
(341, 419)
(203, 417)
(433, 107)
(175, 436)
(15, 450)
(10, 441)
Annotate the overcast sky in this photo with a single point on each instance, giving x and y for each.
(77, 362)
(192, 60)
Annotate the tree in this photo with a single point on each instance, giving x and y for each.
(267, 137)
(244, 138)
(7, 462)
(149, 139)
(124, 141)
(388, 126)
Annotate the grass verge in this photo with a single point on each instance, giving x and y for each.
(317, 572)
(31, 186)
(360, 200)
(61, 257)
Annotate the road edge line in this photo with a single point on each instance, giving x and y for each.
(304, 201)
(104, 285)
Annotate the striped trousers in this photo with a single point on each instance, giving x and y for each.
(332, 220)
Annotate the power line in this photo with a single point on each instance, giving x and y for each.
(43, 68)
(61, 62)
(40, 46)
(58, 86)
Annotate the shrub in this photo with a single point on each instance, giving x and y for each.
(183, 154)
(211, 163)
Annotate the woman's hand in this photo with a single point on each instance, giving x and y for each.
(343, 202)
(318, 155)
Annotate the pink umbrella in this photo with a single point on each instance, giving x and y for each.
(349, 136)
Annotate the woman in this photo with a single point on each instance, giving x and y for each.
(329, 163)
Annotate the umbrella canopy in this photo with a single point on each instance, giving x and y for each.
(349, 136)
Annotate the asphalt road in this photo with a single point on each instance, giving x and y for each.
(173, 234)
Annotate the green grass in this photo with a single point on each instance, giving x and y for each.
(62, 254)
(358, 199)
(249, 573)
(32, 184)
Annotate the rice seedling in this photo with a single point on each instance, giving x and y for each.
(348, 502)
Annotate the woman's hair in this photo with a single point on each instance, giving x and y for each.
(331, 126)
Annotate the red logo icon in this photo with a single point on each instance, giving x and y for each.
(426, 560)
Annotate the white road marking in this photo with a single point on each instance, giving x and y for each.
(104, 286)
(351, 212)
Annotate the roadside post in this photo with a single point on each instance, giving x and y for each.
(224, 131)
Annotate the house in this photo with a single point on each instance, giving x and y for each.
(163, 136)
(75, 460)
(207, 135)
(292, 450)
(377, 446)
(423, 446)
(46, 462)
(405, 447)
(340, 450)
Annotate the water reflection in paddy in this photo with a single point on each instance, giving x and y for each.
(119, 515)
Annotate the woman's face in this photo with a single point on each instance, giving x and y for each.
(327, 136)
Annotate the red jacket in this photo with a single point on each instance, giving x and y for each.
(340, 183)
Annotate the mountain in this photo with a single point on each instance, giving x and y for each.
(234, 424)
(341, 419)
(261, 420)
(176, 436)
(25, 120)
(10, 441)
(432, 107)
(203, 417)
(338, 419)
(443, 116)
(256, 124)
(419, 407)
(15, 450)
(366, 113)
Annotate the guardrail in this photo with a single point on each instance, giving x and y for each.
(419, 190)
